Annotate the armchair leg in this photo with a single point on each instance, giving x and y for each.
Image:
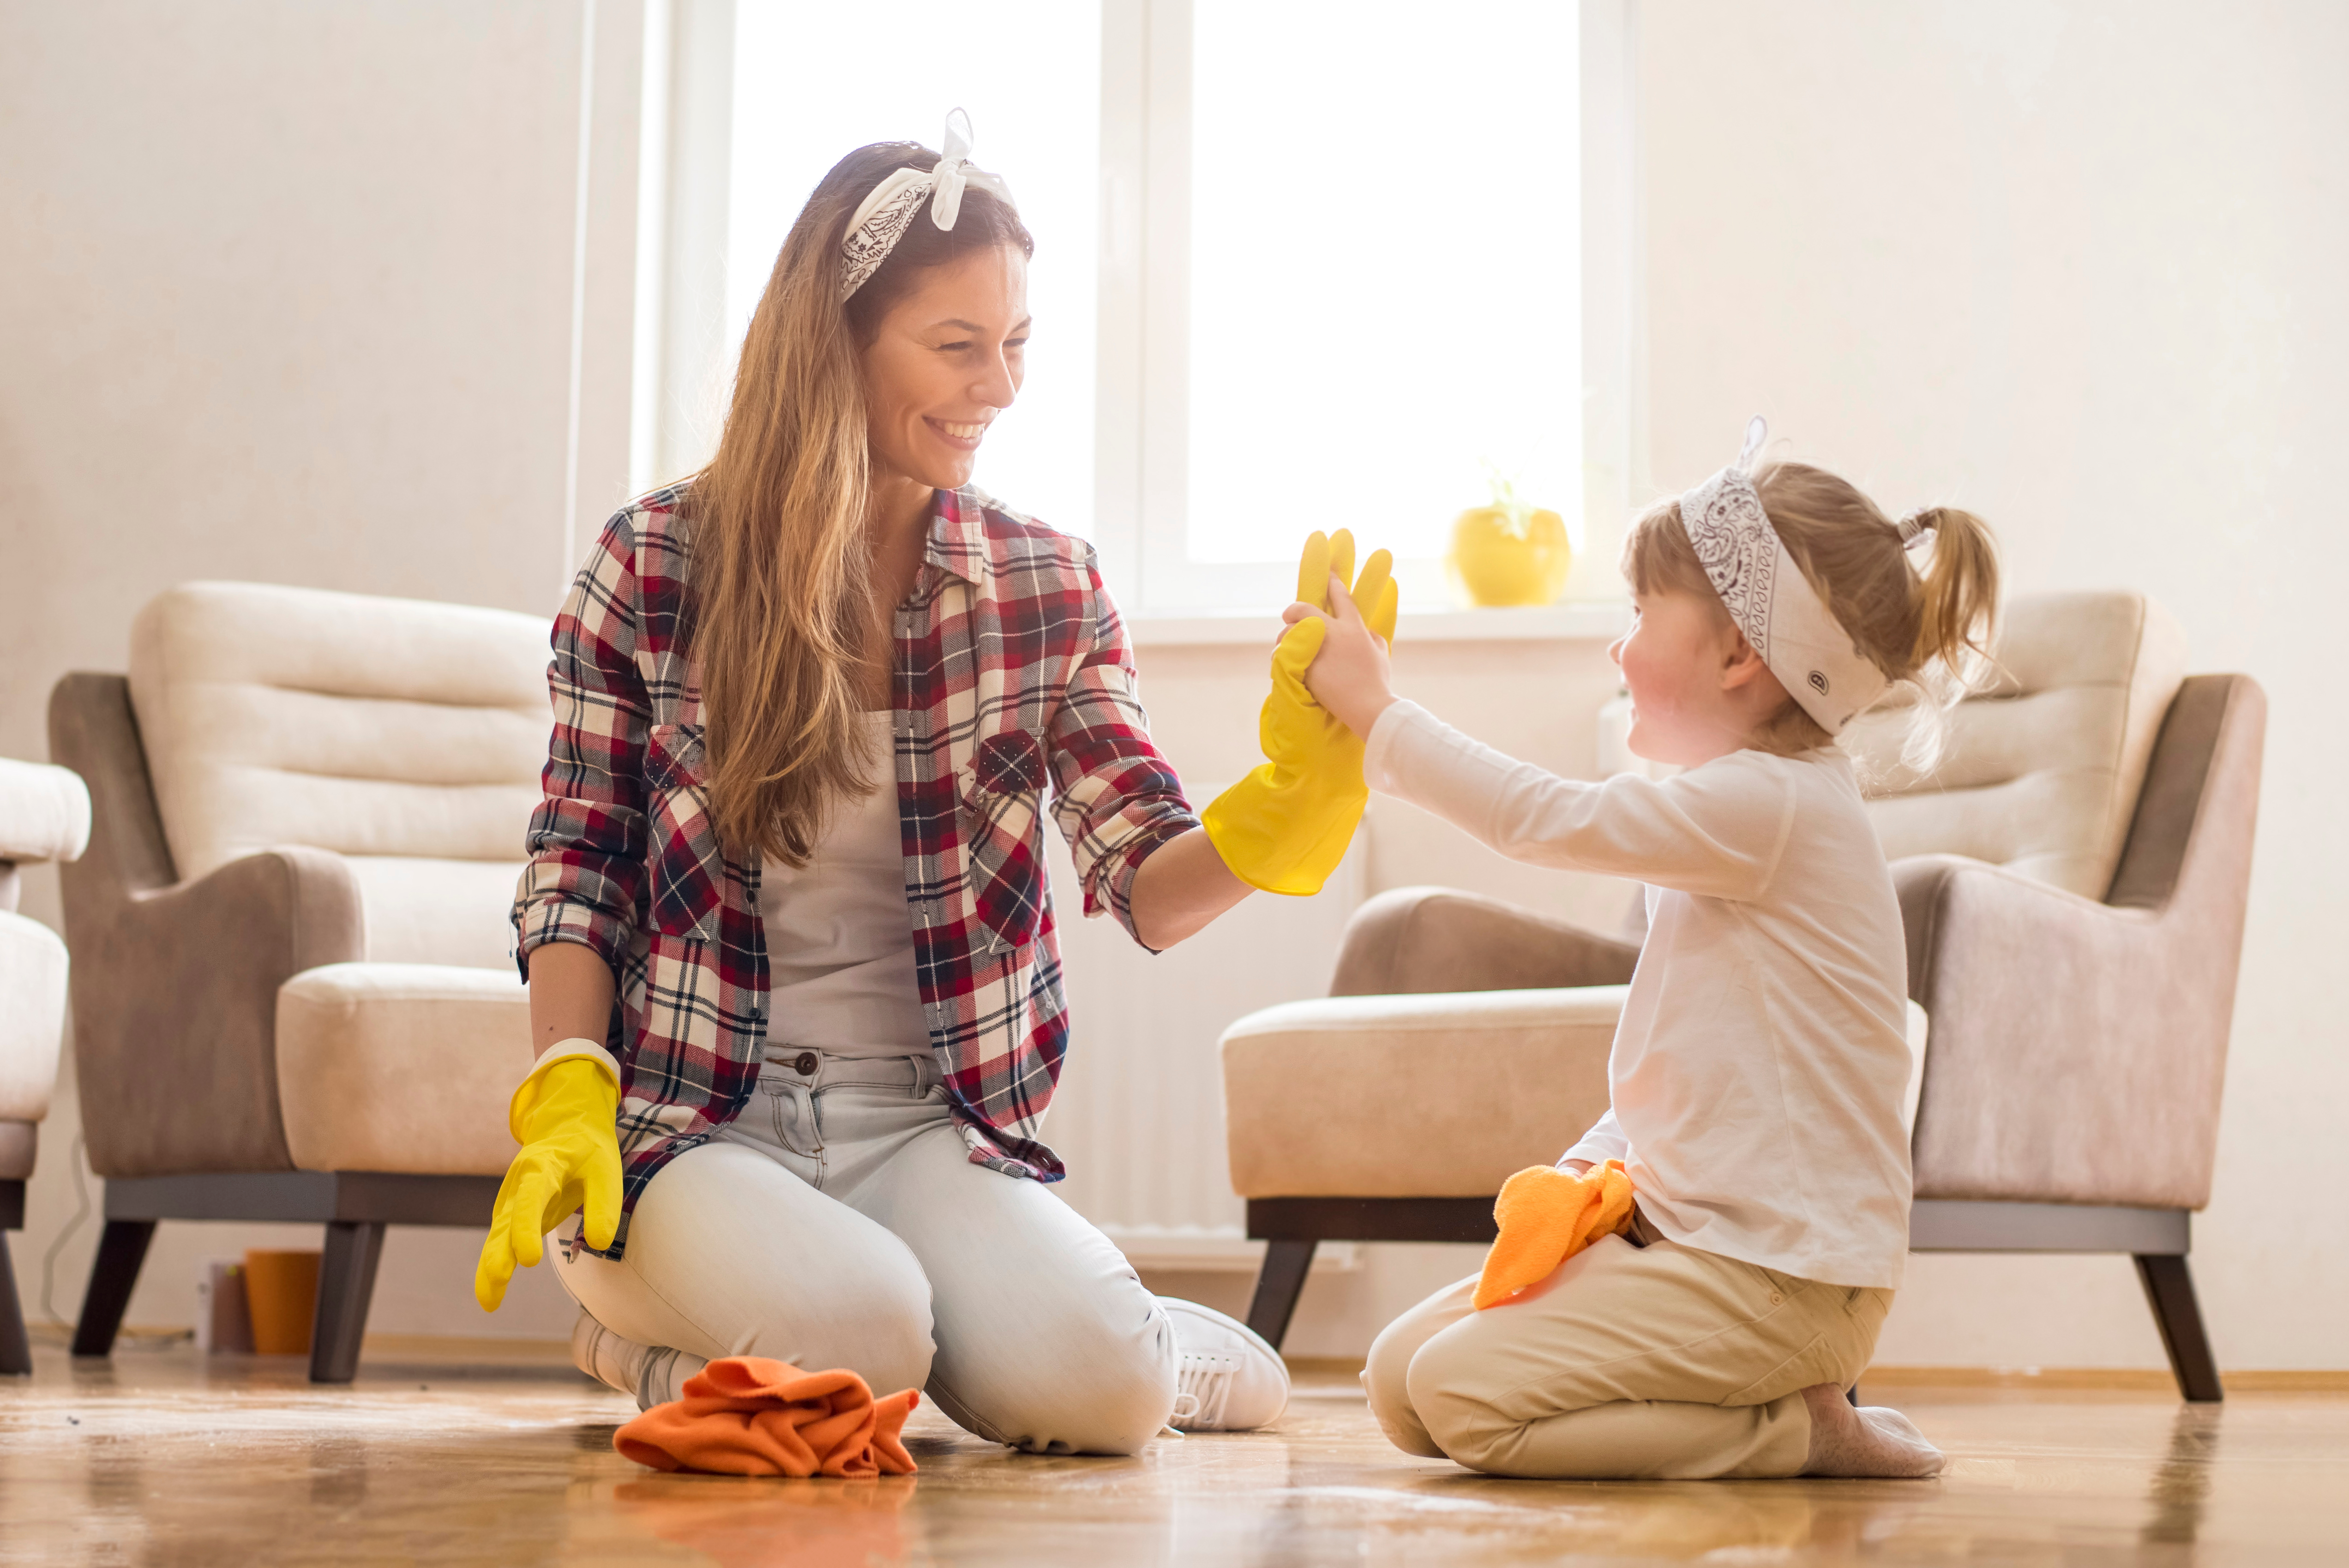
(2169, 1291)
(15, 1349)
(1278, 1284)
(346, 1287)
(122, 1248)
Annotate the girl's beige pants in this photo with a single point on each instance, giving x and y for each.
(1632, 1360)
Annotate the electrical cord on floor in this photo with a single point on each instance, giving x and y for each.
(49, 1258)
(49, 1264)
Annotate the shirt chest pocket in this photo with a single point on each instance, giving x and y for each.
(687, 870)
(1002, 810)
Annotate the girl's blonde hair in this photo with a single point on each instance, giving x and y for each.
(782, 608)
(1930, 629)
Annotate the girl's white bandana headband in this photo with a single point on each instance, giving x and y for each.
(1771, 599)
(882, 220)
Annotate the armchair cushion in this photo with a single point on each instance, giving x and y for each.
(44, 812)
(31, 1016)
(401, 1066)
(402, 735)
(1432, 1095)
(419, 911)
(2042, 771)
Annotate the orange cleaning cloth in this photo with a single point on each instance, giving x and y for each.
(1547, 1215)
(748, 1415)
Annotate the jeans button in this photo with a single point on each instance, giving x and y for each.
(805, 1064)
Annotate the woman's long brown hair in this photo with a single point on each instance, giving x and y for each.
(781, 573)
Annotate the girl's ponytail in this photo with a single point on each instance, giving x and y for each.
(1956, 595)
(1957, 610)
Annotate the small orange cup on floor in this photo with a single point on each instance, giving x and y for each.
(281, 1289)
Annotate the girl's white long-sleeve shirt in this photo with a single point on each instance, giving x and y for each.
(1758, 1071)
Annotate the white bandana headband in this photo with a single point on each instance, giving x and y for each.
(1771, 599)
(882, 220)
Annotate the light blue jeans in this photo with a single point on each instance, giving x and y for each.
(838, 1221)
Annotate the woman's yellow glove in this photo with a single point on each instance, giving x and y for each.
(1547, 1215)
(563, 1117)
(1286, 826)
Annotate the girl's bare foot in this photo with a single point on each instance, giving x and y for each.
(1871, 1442)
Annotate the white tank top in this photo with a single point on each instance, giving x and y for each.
(840, 940)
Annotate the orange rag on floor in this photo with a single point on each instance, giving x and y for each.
(750, 1414)
(1547, 1215)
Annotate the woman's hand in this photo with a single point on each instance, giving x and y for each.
(564, 1118)
(1349, 676)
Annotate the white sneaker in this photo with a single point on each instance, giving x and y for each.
(650, 1374)
(1227, 1379)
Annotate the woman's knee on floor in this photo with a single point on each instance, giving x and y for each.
(1082, 1382)
(877, 1322)
(732, 1256)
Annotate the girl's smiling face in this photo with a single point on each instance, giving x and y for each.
(1698, 689)
(946, 360)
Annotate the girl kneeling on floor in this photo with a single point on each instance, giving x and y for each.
(1759, 1068)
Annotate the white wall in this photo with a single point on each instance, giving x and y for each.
(287, 295)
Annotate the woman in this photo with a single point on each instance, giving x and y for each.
(792, 977)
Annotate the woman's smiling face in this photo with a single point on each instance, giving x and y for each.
(946, 360)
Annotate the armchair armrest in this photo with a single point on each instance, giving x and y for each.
(175, 1011)
(44, 812)
(2079, 1047)
(174, 983)
(1414, 940)
(2053, 1071)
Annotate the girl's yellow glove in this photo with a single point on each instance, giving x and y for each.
(1547, 1215)
(1286, 826)
(563, 1117)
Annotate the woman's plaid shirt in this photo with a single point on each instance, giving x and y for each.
(1013, 676)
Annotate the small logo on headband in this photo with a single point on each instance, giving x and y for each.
(1820, 682)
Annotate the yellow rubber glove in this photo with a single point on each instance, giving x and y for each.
(562, 1116)
(1547, 1215)
(1286, 826)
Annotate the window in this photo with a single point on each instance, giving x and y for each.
(1297, 266)
(1382, 272)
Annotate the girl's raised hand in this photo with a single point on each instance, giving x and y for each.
(1350, 675)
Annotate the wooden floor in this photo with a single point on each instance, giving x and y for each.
(433, 1458)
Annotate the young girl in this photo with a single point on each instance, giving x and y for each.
(1758, 1071)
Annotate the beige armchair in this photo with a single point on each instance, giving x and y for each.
(293, 993)
(44, 816)
(2073, 882)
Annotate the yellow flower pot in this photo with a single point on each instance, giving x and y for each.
(1510, 555)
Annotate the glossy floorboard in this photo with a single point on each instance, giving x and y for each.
(158, 1458)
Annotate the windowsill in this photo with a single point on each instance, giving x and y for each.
(1591, 620)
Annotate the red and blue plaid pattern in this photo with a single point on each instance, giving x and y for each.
(1013, 677)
